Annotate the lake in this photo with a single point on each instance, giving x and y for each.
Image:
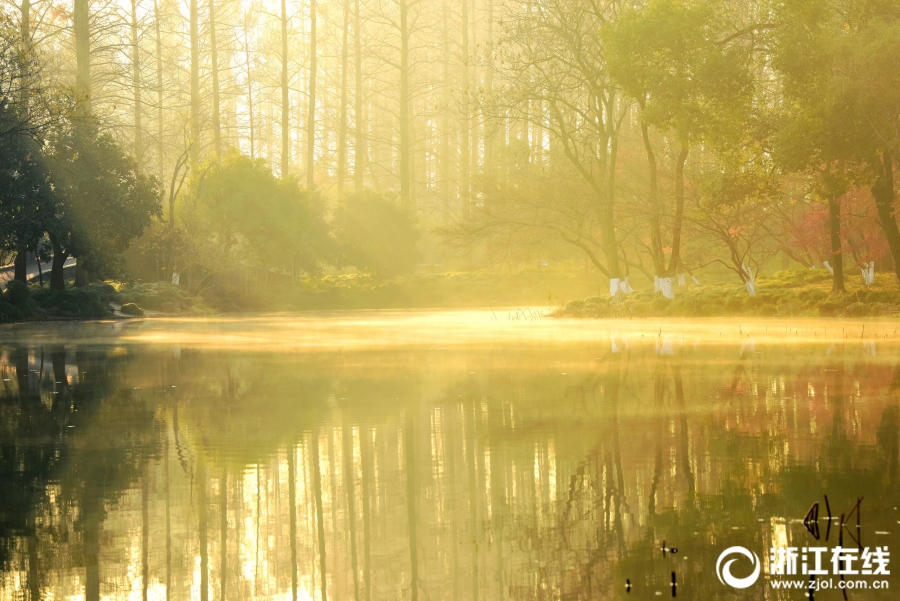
(444, 455)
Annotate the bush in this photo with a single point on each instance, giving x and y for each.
(18, 297)
(8, 311)
(90, 301)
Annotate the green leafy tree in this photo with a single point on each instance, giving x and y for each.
(689, 71)
(102, 202)
(839, 124)
(246, 214)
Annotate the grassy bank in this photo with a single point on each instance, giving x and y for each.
(785, 293)
(480, 288)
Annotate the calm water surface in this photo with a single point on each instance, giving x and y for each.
(438, 455)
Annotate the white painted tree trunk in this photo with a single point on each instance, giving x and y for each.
(868, 274)
(696, 281)
(681, 279)
(656, 283)
(625, 286)
(613, 286)
(750, 284)
(828, 267)
(668, 290)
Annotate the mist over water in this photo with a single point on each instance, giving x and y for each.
(545, 463)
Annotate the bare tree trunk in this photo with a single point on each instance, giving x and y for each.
(464, 160)
(311, 118)
(249, 89)
(489, 123)
(445, 113)
(678, 221)
(57, 277)
(214, 59)
(342, 131)
(20, 264)
(160, 166)
(655, 212)
(195, 86)
(81, 24)
(359, 150)
(25, 24)
(285, 103)
(834, 229)
(405, 194)
(136, 84)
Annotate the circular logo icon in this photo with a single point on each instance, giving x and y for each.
(723, 567)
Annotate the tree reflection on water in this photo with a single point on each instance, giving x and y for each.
(495, 472)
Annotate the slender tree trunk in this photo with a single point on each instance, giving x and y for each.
(214, 59)
(678, 221)
(490, 123)
(311, 118)
(285, 102)
(195, 85)
(136, 84)
(405, 195)
(20, 264)
(160, 156)
(249, 89)
(837, 257)
(883, 193)
(359, 151)
(25, 24)
(446, 181)
(464, 159)
(655, 213)
(81, 24)
(342, 128)
(607, 211)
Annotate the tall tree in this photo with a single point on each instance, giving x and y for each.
(285, 99)
(81, 24)
(136, 85)
(311, 92)
(195, 84)
(406, 199)
(214, 68)
(342, 127)
(359, 147)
